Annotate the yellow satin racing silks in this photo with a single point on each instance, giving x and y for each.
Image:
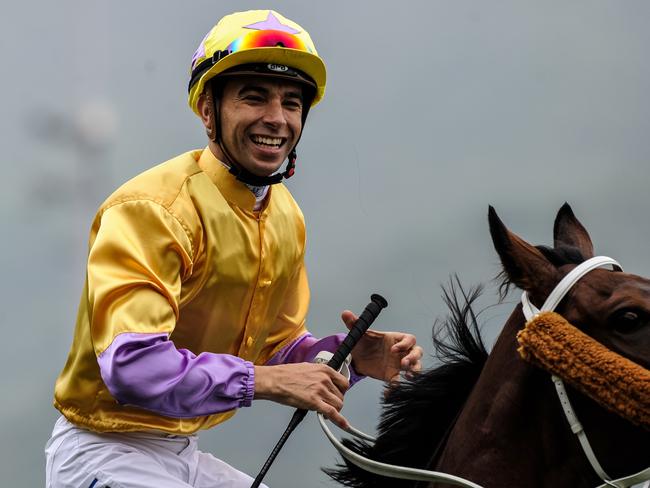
(179, 249)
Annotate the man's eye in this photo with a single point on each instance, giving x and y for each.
(293, 105)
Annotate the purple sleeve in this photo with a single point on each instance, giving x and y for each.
(306, 347)
(146, 370)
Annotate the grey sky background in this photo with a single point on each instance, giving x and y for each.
(433, 110)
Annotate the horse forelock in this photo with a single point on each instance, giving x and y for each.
(560, 256)
(557, 256)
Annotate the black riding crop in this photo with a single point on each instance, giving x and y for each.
(359, 328)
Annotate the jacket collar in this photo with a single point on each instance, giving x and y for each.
(233, 190)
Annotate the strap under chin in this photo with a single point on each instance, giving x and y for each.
(245, 176)
(249, 178)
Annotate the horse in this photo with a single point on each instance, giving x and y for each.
(494, 418)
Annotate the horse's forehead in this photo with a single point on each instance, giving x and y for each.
(602, 289)
(628, 283)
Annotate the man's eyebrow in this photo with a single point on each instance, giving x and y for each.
(297, 94)
(294, 94)
(255, 88)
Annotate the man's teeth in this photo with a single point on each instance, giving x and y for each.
(267, 141)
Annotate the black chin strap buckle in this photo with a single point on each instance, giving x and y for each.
(291, 167)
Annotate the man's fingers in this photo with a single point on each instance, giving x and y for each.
(348, 318)
(332, 399)
(412, 360)
(337, 382)
(340, 382)
(332, 414)
(406, 343)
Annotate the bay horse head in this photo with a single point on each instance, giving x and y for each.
(613, 308)
(495, 419)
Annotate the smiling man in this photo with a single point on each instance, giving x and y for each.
(196, 292)
(260, 122)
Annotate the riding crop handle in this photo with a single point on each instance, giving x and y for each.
(359, 328)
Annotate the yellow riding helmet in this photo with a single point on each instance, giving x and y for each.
(255, 36)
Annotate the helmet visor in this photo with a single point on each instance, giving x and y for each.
(267, 38)
(253, 40)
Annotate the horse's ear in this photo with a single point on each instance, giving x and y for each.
(524, 265)
(568, 231)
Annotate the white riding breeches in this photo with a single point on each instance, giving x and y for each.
(79, 458)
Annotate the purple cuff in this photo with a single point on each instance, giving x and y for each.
(306, 347)
(146, 370)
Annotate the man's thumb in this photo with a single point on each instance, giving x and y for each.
(348, 318)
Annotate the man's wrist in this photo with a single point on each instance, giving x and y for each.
(262, 382)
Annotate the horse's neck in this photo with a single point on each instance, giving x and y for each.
(511, 431)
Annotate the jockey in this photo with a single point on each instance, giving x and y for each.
(196, 292)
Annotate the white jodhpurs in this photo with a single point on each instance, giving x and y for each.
(79, 458)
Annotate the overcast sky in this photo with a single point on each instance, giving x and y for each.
(433, 111)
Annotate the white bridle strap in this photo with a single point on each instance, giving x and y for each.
(629, 481)
(565, 284)
(552, 301)
(577, 429)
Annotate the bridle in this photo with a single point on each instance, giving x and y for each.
(554, 298)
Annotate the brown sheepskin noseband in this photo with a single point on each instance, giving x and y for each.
(617, 383)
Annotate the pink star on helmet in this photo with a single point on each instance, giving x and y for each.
(272, 23)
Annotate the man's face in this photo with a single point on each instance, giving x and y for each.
(260, 121)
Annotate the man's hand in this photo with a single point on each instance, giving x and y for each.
(304, 385)
(383, 355)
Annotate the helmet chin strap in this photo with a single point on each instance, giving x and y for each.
(236, 169)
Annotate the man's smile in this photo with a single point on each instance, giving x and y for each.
(268, 141)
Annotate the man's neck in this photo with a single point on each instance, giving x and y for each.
(260, 193)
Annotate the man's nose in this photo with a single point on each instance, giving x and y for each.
(274, 113)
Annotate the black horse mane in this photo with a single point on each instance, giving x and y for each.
(419, 412)
(562, 255)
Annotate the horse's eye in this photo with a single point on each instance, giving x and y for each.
(628, 321)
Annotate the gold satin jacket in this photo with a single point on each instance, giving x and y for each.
(179, 250)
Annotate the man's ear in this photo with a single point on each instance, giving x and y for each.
(523, 263)
(205, 105)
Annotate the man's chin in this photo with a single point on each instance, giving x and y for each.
(263, 168)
